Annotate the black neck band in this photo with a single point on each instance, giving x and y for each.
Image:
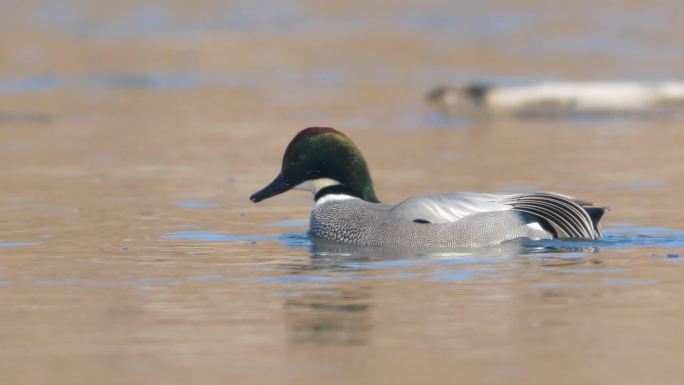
(335, 189)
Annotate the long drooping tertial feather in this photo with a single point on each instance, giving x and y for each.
(568, 218)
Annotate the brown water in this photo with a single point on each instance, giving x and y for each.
(131, 136)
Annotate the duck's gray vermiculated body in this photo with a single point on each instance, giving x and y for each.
(379, 224)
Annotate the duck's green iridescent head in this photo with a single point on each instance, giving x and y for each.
(321, 160)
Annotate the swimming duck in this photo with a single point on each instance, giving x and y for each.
(325, 162)
(615, 97)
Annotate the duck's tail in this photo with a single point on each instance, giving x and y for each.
(566, 217)
(596, 213)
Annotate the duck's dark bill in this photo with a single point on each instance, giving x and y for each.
(278, 186)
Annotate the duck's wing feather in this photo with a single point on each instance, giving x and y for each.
(450, 207)
(569, 218)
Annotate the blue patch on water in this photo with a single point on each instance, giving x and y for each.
(628, 282)
(16, 244)
(302, 278)
(209, 236)
(592, 271)
(137, 282)
(296, 240)
(206, 278)
(617, 238)
(56, 15)
(467, 24)
(331, 78)
(646, 231)
(289, 223)
(469, 260)
(148, 81)
(589, 44)
(169, 81)
(194, 204)
(391, 264)
(32, 84)
(601, 283)
(293, 240)
(59, 282)
(163, 81)
(452, 276)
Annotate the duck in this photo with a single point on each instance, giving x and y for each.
(346, 210)
(582, 96)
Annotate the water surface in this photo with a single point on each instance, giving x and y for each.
(132, 135)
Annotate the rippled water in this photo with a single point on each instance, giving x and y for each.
(336, 262)
(132, 135)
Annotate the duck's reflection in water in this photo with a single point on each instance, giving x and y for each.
(335, 309)
(329, 316)
(333, 302)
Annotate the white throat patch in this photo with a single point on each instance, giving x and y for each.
(315, 185)
(333, 197)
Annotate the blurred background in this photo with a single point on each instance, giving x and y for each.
(133, 132)
(349, 64)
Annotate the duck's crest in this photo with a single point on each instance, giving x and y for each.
(309, 133)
